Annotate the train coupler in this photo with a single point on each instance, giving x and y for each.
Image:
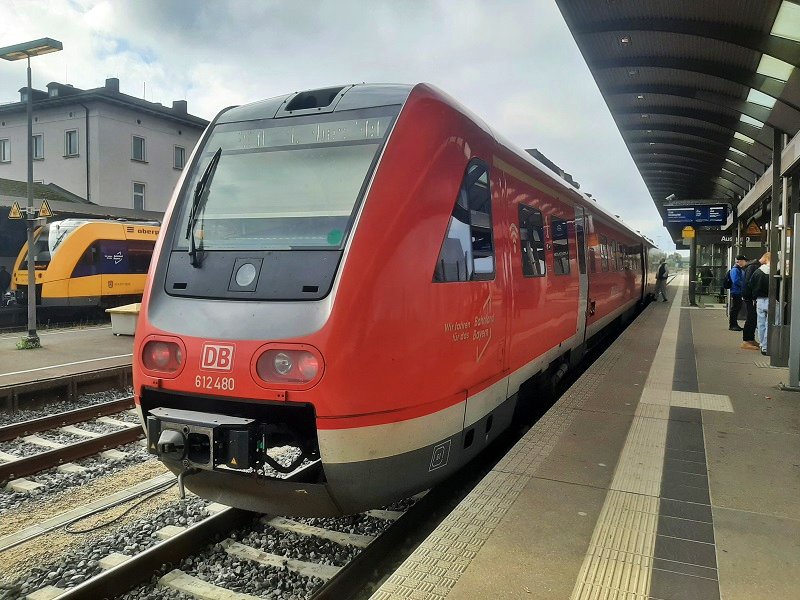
(199, 440)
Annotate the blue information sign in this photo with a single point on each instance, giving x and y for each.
(703, 215)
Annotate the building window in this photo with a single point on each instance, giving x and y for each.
(531, 239)
(138, 149)
(138, 196)
(38, 146)
(560, 246)
(53, 92)
(467, 252)
(71, 143)
(179, 159)
(5, 151)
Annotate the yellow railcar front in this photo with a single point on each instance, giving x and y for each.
(87, 263)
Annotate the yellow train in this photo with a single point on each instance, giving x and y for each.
(85, 263)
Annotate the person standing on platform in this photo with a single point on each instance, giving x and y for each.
(759, 289)
(661, 280)
(749, 331)
(736, 278)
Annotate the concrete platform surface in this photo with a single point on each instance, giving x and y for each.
(63, 352)
(669, 471)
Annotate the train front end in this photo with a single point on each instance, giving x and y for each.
(235, 328)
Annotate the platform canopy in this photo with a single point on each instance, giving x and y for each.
(696, 87)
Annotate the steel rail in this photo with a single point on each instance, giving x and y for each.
(15, 430)
(140, 568)
(52, 458)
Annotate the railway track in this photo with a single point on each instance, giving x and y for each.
(31, 426)
(240, 555)
(20, 467)
(226, 534)
(14, 466)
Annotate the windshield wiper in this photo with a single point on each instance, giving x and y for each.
(198, 202)
(60, 237)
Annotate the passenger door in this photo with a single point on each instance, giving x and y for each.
(114, 267)
(84, 283)
(583, 277)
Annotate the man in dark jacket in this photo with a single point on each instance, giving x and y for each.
(749, 331)
(661, 280)
(736, 275)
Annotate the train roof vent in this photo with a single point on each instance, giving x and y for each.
(312, 101)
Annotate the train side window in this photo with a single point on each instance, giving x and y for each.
(531, 239)
(139, 254)
(623, 257)
(604, 252)
(560, 246)
(87, 263)
(113, 257)
(467, 253)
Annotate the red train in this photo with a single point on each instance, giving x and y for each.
(361, 278)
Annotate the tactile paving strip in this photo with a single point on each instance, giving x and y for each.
(618, 563)
(434, 568)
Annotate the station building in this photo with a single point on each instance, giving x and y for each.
(102, 145)
(97, 153)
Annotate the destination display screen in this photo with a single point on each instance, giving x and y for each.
(288, 135)
(703, 215)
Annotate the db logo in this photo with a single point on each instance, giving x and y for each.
(217, 357)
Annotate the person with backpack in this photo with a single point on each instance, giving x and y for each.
(749, 330)
(661, 280)
(734, 279)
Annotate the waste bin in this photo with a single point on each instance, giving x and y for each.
(123, 318)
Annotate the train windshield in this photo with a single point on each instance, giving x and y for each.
(47, 241)
(283, 184)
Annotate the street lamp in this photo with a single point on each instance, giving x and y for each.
(18, 52)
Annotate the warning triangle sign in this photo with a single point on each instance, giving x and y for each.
(15, 212)
(233, 462)
(44, 210)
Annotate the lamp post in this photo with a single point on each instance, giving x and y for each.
(18, 52)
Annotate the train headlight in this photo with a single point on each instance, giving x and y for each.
(159, 355)
(289, 366)
(308, 365)
(283, 363)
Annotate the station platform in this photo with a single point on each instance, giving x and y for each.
(64, 352)
(669, 471)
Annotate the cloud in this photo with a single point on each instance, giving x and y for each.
(512, 62)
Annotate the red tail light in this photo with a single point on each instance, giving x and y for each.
(288, 366)
(162, 356)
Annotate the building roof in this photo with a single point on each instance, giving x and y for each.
(697, 89)
(63, 203)
(12, 190)
(59, 94)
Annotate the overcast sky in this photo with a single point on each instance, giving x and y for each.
(513, 62)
